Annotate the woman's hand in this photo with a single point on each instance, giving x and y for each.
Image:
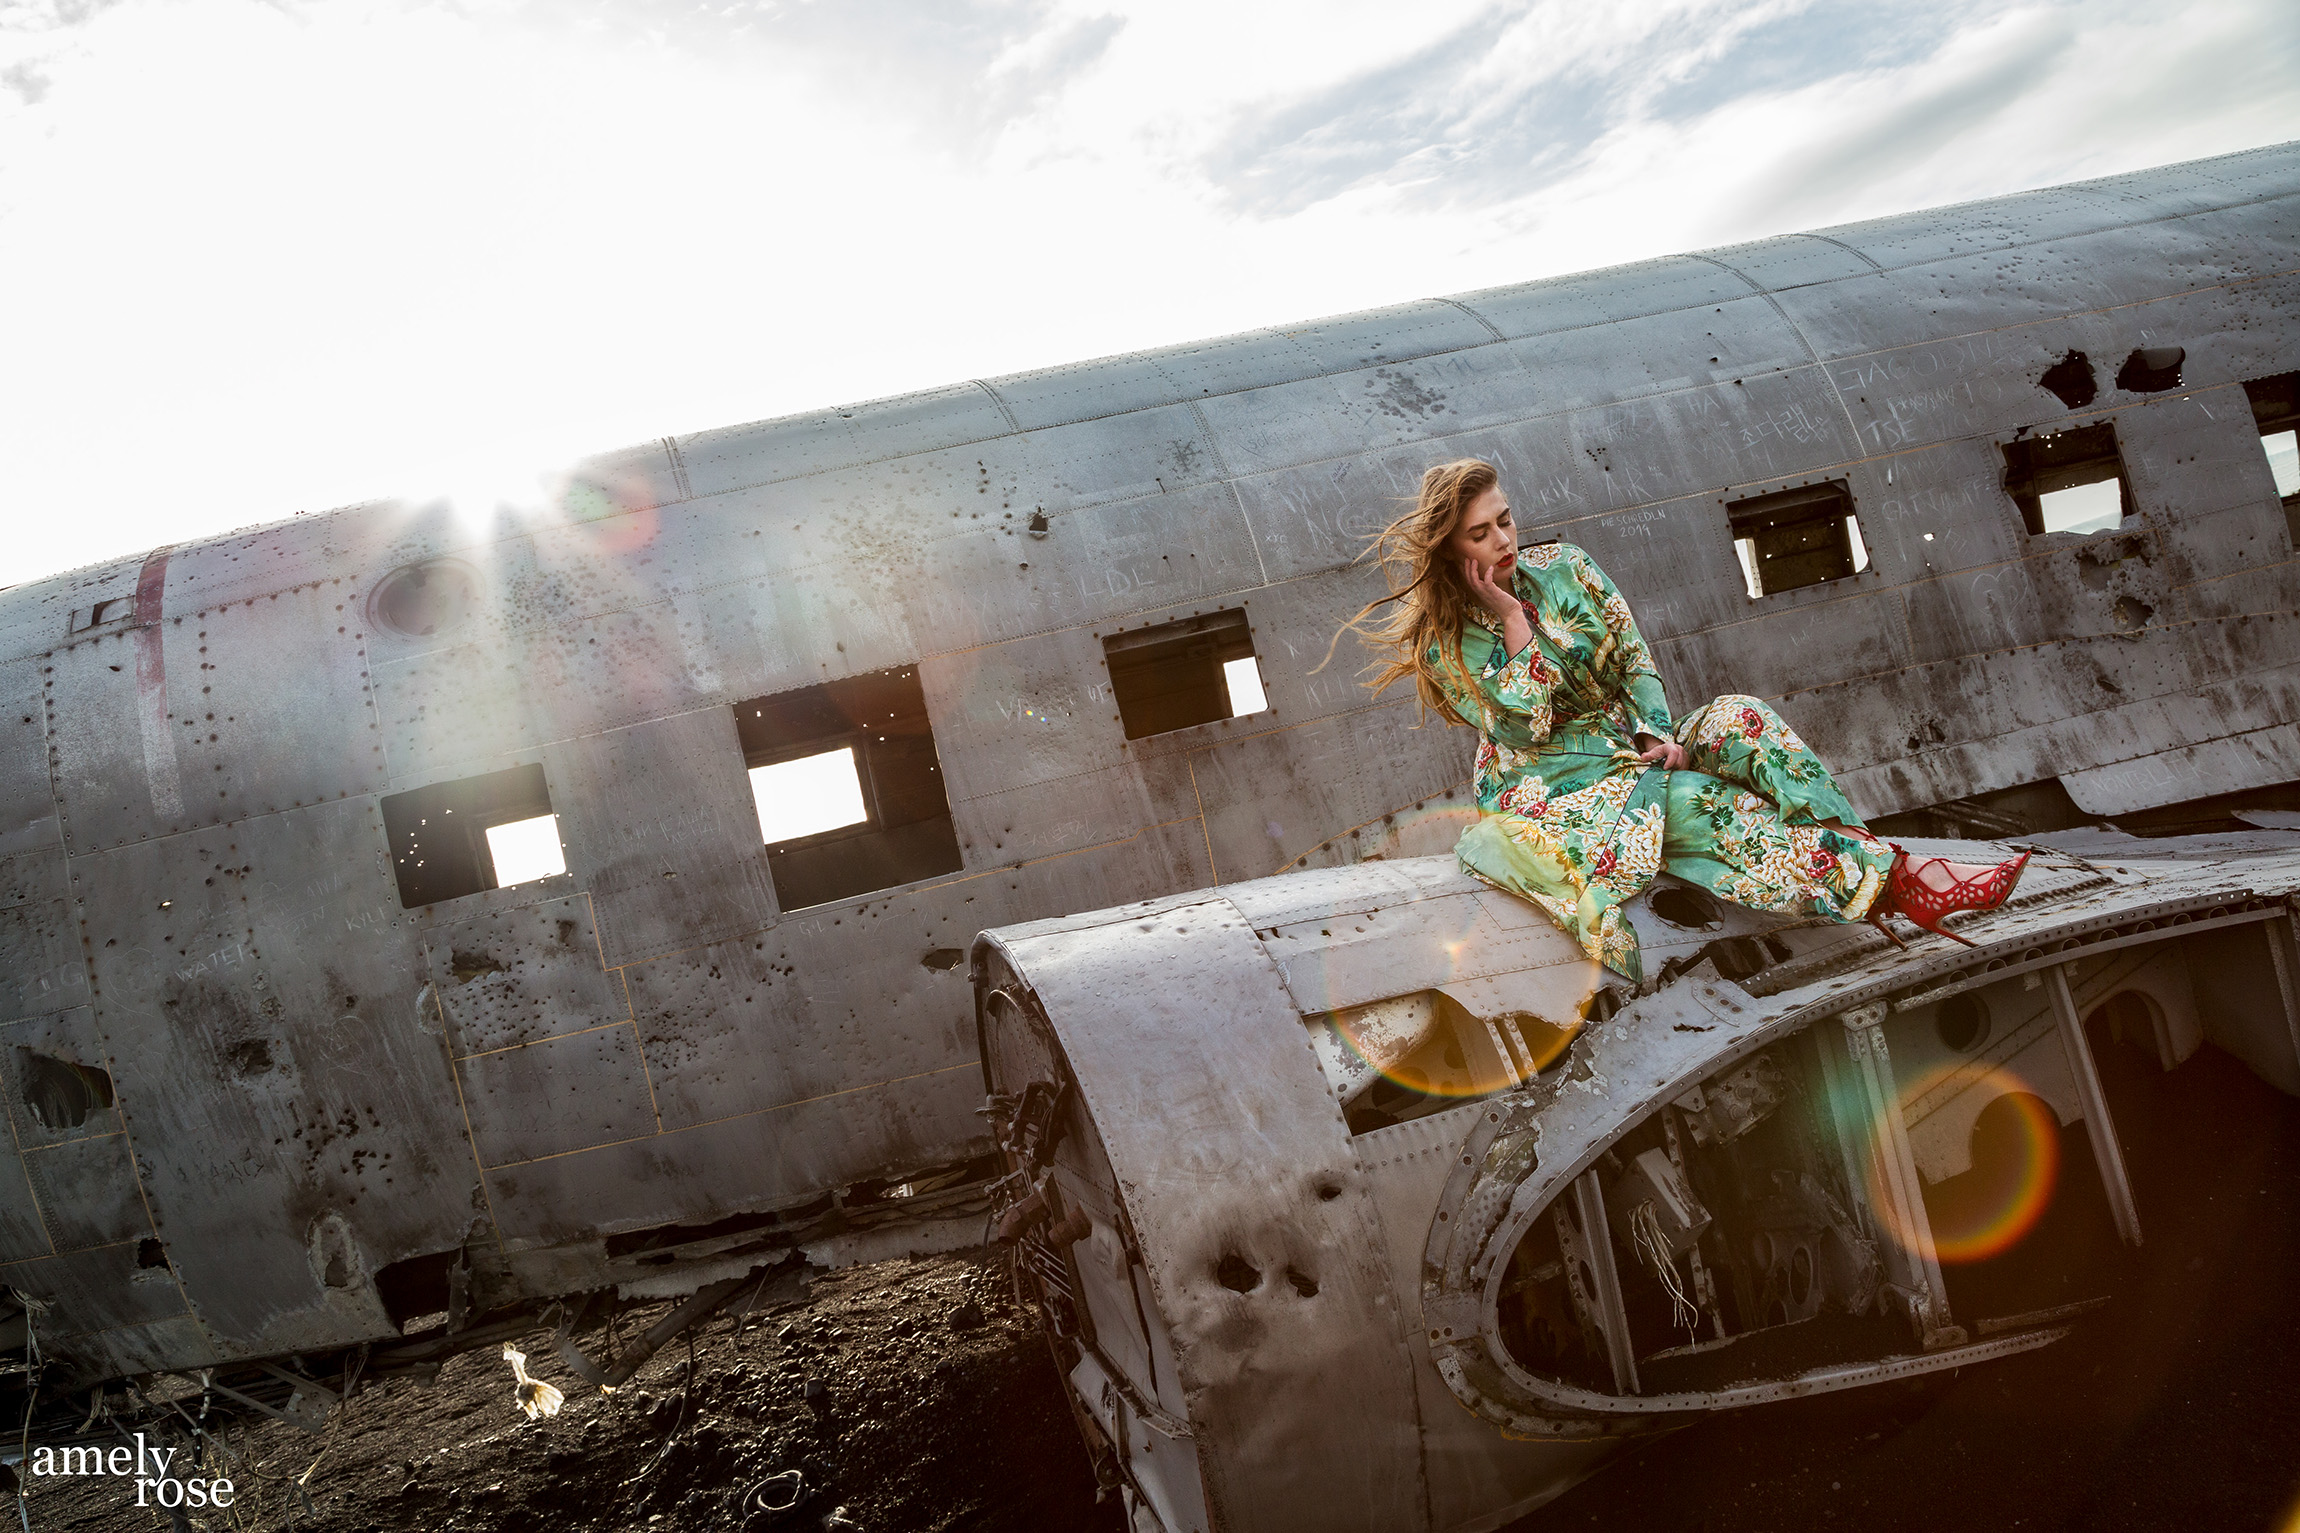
(1488, 592)
(1502, 603)
(1666, 754)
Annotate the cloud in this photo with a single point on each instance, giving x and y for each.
(26, 80)
(290, 254)
(958, 71)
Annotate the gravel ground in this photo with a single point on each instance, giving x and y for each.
(934, 1406)
(908, 1395)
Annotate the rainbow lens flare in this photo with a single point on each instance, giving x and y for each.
(1986, 1211)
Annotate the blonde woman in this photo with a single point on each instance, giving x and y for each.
(1587, 785)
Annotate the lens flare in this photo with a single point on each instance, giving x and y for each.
(1986, 1211)
(619, 513)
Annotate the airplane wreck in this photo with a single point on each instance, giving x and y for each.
(1340, 1216)
(414, 926)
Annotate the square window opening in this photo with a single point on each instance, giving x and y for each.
(2071, 481)
(525, 850)
(471, 835)
(1195, 670)
(2276, 411)
(848, 788)
(1795, 538)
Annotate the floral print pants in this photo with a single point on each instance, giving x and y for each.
(1741, 823)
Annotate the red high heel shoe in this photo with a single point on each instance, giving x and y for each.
(1924, 905)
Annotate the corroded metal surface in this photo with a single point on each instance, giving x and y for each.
(1231, 1158)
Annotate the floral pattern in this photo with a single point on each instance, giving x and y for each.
(1572, 819)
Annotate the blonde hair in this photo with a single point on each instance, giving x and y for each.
(1432, 603)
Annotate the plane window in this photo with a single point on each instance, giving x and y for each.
(477, 833)
(2276, 411)
(526, 850)
(1193, 671)
(2071, 481)
(1799, 537)
(848, 788)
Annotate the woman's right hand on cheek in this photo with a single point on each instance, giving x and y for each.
(1485, 591)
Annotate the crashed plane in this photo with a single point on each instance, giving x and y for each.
(409, 922)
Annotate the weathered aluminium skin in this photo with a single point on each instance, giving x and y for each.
(329, 1112)
(1278, 1312)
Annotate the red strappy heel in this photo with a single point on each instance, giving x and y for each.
(1924, 905)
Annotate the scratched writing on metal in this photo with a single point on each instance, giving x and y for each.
(1960, 356)
(1941, 408)
(1556, 490)
(231, 957)
(1636, 524)
(1790, 425)
(1939, 500)
(2006, 592)
(1131, 576)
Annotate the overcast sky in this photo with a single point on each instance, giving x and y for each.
(270, 256)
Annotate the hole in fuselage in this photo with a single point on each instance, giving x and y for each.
(60, 1093)
(1684, 907)
(1962, 1023)
(1237, 1274)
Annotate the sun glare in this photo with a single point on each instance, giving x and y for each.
(808, 796)
(526, 850)
(1244, 678)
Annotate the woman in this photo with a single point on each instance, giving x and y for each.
(1587, 786)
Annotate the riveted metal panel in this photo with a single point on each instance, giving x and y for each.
(1263, 1136)
(312, 552)
(1372, 337)
(70, 1037)
(228, 721)
(40, 961)
(87, 1192)
(788, 1154)
(28, 825)
(1346, 415)
(737, 457)
(727, 1031)
(661, 829)
(22, 1235)
(97, 1290)
(513, 976)
(1230, 363)
(1068, 814)
(1347, 959)
(933, 420)
(1341, 771)
(1085, 391)
(1792, 261)
(36, 618)
(557, 1095)
(277, 1055)
(1560, 304)
(1779, 649)
(482, 699)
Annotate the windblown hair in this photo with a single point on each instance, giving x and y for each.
(1432, 603)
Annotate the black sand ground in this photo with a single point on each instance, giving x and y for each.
(937, 1407)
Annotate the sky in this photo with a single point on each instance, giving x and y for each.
(266, 257)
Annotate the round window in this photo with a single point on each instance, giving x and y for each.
(421, 601)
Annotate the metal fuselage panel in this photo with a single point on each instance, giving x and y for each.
(195, 743)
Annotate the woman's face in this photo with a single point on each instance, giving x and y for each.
(1487, 535)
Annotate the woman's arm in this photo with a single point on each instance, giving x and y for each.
(1504, 697)
(1631, 662)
